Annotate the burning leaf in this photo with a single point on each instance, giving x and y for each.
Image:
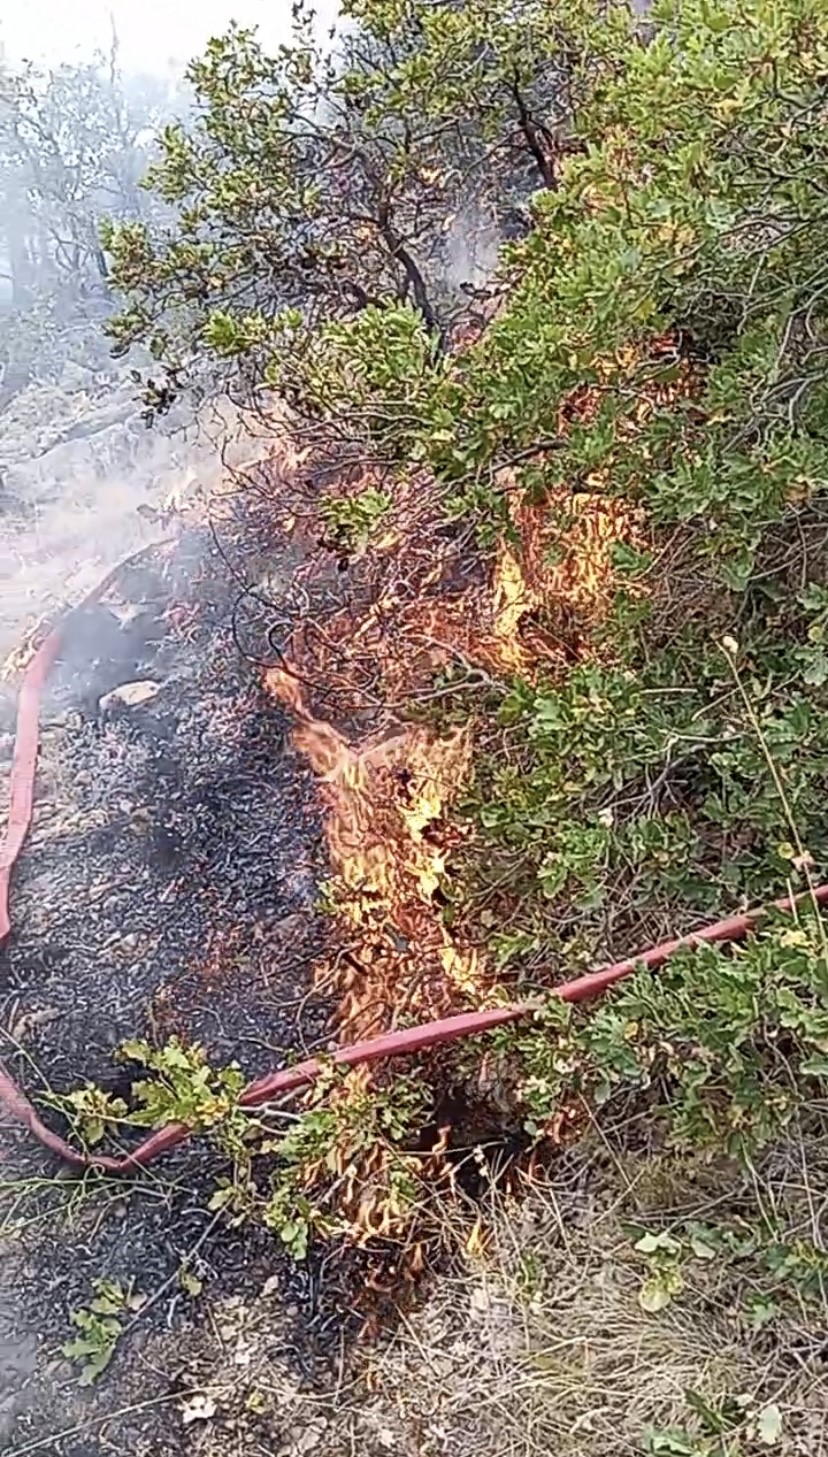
(476, 1242)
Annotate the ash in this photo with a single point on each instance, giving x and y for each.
(168, 887)
(169, 883)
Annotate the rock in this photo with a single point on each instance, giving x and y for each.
(130, 695)
(199, 1408)
(304, 1439)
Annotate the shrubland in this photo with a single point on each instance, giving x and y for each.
(655, 351)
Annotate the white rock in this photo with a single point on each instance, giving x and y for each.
(198, 1409)
(130, 694)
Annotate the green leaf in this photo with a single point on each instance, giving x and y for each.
(815, 671)
(669, 1442)
(135, 1050)
(96, 1364)
(220, 1198)
(761, 1311)
(651, 1244)
(701, 1248)
(715, 1419)
(628, 561)
(190, 1283)
(654, 1295)
(815, 1067)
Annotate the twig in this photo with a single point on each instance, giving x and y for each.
(171, 1279)
(49, 1443)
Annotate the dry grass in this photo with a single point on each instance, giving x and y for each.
(541, 1345)
(536, 1346)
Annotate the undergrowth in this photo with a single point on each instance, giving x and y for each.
(650, 790)
(298, 1173)
(726, 1045)
(623, 1304)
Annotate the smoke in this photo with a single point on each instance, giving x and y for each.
(472, 245)
(84, 482)
(80, 475)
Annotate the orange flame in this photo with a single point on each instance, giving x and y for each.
(383, 798)
(414, 603)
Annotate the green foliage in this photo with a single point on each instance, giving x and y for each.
(673, 216)
(352, 519)
(664, 1278)
(308, 1159)
(185, 1089)
(384, 1117)
(336, 187)
(95, 1111)
(655, 786)
(474, 69)
(730, 1427)
(787, 1271)
(664, 321)
(375, 371)
(729, 1044)
(101, 1326)
(298, 204)
(309, 186)
(341, 1124)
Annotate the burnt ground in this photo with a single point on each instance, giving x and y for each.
(168, 886)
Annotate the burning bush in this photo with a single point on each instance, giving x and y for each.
(555, 649)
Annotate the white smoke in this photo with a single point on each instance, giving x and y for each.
(472, 245)
(77, 464)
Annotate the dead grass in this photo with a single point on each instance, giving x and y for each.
(541, 1346)
(536, 1346)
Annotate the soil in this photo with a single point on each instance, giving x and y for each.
(168, 886)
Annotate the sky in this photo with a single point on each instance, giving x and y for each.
(156, 36)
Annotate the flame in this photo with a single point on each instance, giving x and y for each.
(383, 797)
(362, 651)
(477, 1243)
(549, 598)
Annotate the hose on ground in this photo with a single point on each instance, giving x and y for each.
(405, 1042)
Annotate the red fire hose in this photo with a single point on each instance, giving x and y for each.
(392, 1044)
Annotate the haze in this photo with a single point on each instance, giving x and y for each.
(155, 37)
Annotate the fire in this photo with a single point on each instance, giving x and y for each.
(384, 797)
(387, 787)
(549, 596)
(364, 650)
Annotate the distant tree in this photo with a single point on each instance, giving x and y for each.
(294, 207)
(74, 144)
(70, 147)
(315, 185)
